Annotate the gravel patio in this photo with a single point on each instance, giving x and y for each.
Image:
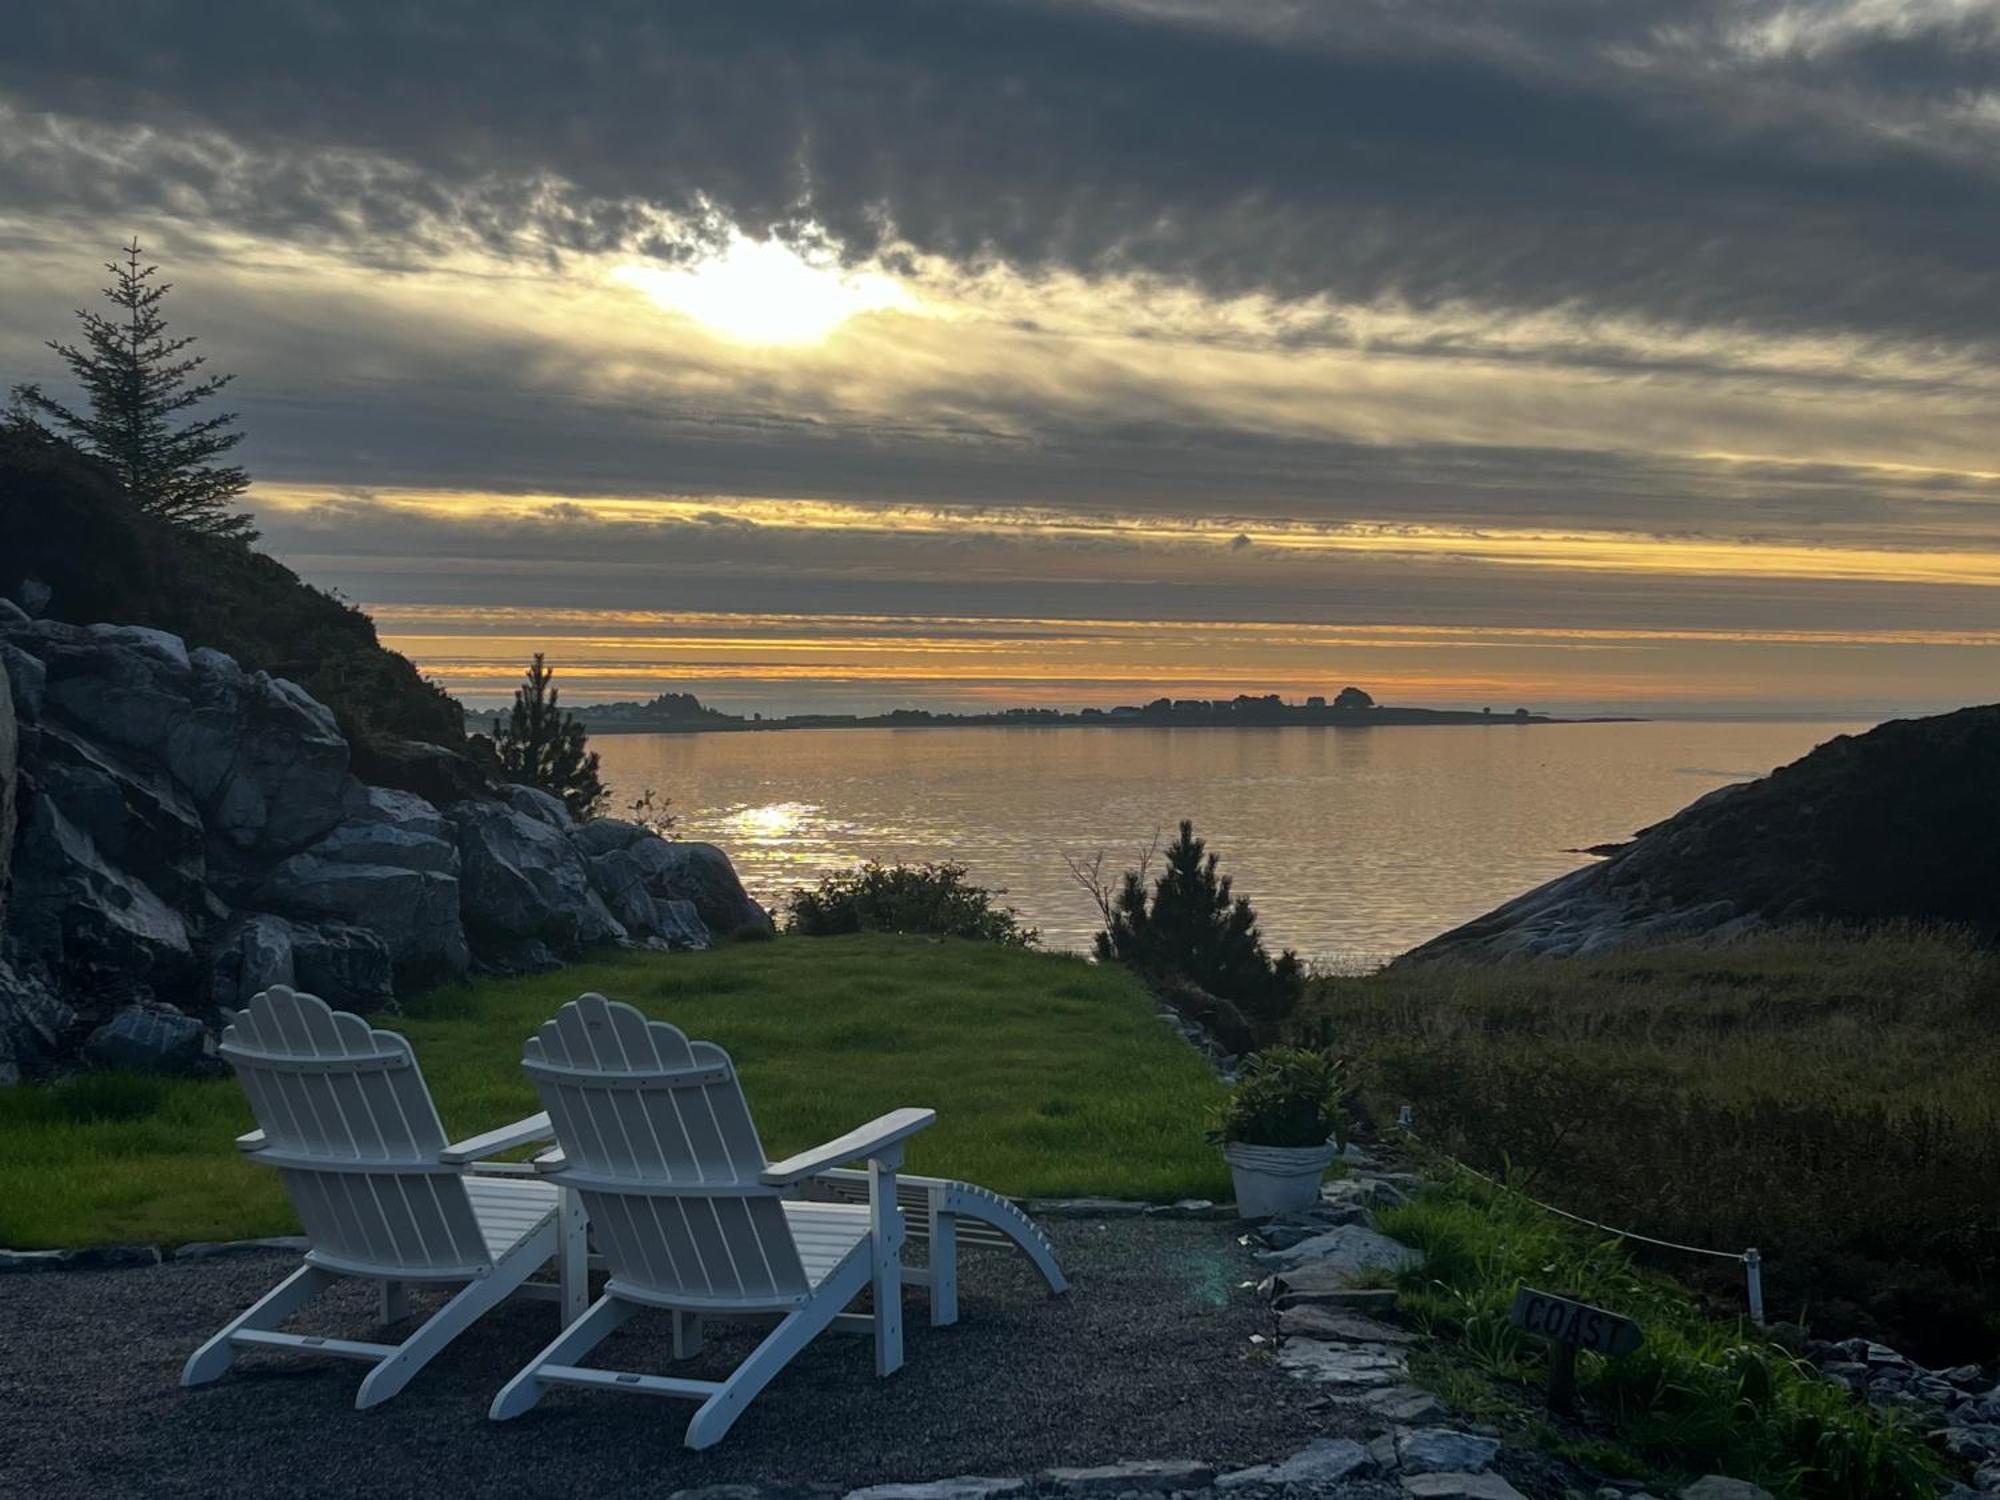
(1149, 1356)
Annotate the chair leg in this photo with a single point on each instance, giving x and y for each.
(586, 1333)
(573, 1255)
(944, 1262)
(885, 1249)
(395, 1301)
(795, 1330)
(444, 1325)
(687, 1335)
(287, 1297)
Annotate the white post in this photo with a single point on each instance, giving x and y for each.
(1753, 1273)
(944, 1259)
(885, 1227)
(572, 1254)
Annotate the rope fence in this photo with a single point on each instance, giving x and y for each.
(1751, 1259)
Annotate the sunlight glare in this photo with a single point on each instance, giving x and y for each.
(765, 292)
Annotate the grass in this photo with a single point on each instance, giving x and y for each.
(1050, 1076)
(1703, 1395)
(1831, 1098)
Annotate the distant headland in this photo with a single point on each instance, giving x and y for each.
(684, 713)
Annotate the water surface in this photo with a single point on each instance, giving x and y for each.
(1352, 842)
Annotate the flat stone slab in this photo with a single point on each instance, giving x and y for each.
(1722, 1487)
(1335, 1325)
(1148, 1476)
(1351, 1249)
(1459, 1487)
(209, 1249)
(1405, 1405)
(963, 1487)
(1354, 1365)
(1323, 1461)
(1191, 1208)
(1087, 1208)
(1443, 1450)
(90, 1258)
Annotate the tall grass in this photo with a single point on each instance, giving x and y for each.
(1050, 1076)
(1831, 1098)
(1701, 1396)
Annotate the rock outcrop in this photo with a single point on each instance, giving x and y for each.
(177, 833)
(1900, 822)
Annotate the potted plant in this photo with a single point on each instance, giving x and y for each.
(1281, 1128)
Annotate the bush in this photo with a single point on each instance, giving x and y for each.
(1827, 1097)
(1285, 1096)
(933, 899)
(1699, 1397)
(1194, 927)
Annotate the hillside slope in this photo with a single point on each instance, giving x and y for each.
(1900, 822)
(64, 522)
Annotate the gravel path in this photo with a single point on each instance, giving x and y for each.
(1147, 1357)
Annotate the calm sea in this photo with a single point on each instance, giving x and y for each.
(1353, 843)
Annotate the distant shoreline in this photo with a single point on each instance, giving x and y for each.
(1329, 719)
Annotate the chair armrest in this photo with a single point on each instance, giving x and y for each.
(872, 1139)
(550, 1161)
(493, 1142)
(253, 1141)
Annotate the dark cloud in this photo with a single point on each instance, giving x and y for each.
(1660, 159)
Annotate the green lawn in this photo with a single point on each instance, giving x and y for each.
(1050, 1077)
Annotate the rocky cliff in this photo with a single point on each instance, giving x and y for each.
(176, 833)
(1900, 822)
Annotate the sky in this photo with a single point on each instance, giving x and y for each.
(1566, 353)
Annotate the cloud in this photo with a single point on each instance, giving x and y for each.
(1413, 313)
(1777, 166)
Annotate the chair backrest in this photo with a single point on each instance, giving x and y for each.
(657, 1137)
(348, 1121)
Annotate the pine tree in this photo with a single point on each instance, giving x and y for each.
(136, 383)
(542, 745)
(1195, 928)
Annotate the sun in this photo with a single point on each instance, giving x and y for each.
(765, 292)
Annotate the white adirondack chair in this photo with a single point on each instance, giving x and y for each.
(692, 1218)
(345, 1116)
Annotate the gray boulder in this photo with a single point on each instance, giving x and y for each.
(620, 879)
(535, 803)
(416, 913)
(607, 835)
(147, 1038)
(250, 954)
(390, 865)
(130, 809)
(348, 967)
(34, 1022)
(522, 879)
(383, 827)
(679, 926)
(10, 775)
(264, 756)
(124, 684)
(702, 874)
(74, 909)
(28, 678)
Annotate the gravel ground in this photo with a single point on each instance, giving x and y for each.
(1148, 1356)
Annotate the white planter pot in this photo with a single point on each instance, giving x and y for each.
(1276, 1179)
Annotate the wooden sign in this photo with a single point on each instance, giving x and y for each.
(1571, 1325)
